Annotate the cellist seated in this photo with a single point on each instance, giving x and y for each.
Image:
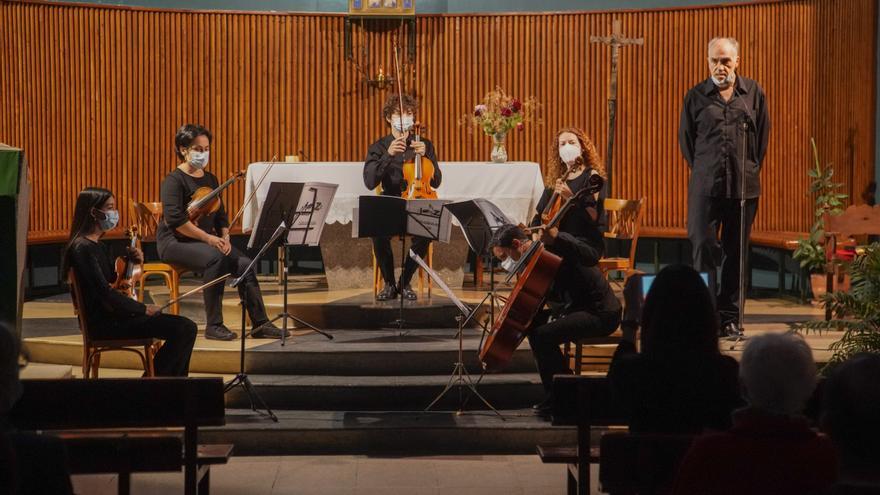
(384, 166)
(580, 302)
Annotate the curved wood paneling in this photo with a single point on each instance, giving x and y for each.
(95, 94)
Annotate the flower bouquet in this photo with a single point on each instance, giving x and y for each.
(497, 115)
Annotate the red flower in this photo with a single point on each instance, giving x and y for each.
(520, 126)
(506, 112)
(515, 105)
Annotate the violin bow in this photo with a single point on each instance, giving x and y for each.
(197, 289)
(253, 193)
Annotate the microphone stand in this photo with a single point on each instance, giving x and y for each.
(743, 242)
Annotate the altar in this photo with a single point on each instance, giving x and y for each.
(515, 187)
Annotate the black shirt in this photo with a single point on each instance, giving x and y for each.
(94, 273)
(176, 193)
(382, 168)
(577, 221)
(579, 284)
(675, 394)
(710, 137)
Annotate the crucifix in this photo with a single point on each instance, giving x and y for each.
(616, 40)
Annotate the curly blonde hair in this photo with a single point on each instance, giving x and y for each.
(589, 156)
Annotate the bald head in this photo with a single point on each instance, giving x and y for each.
(723, 61)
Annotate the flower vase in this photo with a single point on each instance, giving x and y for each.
(499, 151)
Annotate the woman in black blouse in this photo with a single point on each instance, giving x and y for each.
(110, 314)
(573, 160)
(204, 246)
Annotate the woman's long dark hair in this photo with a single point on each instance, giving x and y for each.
(679, 317)
(83, 221)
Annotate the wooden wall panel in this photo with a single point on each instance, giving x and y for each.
(95, 94)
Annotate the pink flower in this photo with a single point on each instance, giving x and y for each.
(506, 112)
(515, 105)
(479, 110)
(520, 126)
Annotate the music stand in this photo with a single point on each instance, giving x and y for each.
(299, 210)
(460, 376)
(387, 216)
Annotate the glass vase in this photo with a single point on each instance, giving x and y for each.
(499, 151)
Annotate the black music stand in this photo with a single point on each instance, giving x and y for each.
(298, 210)
(388, 216)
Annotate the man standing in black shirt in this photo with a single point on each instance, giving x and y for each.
(384, 167)
(723, 134)
(580, 302)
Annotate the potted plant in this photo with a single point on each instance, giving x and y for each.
(810, 252)
(497, 115)
(856, 311)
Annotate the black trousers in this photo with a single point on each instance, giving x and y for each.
(201, 257)
(385, 257)
(546, 337)
(178, 332)
(706, 216)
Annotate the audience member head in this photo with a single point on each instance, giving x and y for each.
(851, 413)
(777, 373)
(678, 317)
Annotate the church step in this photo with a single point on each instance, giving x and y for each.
(386, 393)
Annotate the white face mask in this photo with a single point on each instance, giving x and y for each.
(199, 159)
(508, 264)
(402, 126)
(569, 153)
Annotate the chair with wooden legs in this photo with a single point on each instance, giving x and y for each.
(624, 222)
(147, 216)
(93, 348)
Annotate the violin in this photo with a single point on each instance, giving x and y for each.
(555, 201)
(530, 291)
(206, 200)
(128, 271)
(418, 172)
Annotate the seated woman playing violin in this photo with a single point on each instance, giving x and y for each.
(203, 245)
(580, 303)
(110, 314)
(573, 160)
(385, 165)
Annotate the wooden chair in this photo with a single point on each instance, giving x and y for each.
(92, 348)
(580, 358)
(624, 222)
(640, 463)
(147, 216)
(850, 228)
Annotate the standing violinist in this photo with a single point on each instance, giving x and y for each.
(580, 303)
(109, 314)
(384, 167)
(203, 246)
(573, 160)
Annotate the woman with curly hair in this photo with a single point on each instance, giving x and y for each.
(573, 160)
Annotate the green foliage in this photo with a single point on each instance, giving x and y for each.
(810, 251)
(856, 312)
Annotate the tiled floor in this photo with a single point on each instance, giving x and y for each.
(358, 475)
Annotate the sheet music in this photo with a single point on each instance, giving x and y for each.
(428, 218)
(465, 310)
(322, 193)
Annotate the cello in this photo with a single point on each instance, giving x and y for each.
(128, 271)
(537, 268)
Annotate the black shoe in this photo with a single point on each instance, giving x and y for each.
(408, 294)
(732, 331)
(545, 407)
(266, 330)
(387, 293)
(219, 332)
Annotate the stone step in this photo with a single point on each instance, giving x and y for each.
(386, 393)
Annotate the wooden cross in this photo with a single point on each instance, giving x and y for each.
(616, 40)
